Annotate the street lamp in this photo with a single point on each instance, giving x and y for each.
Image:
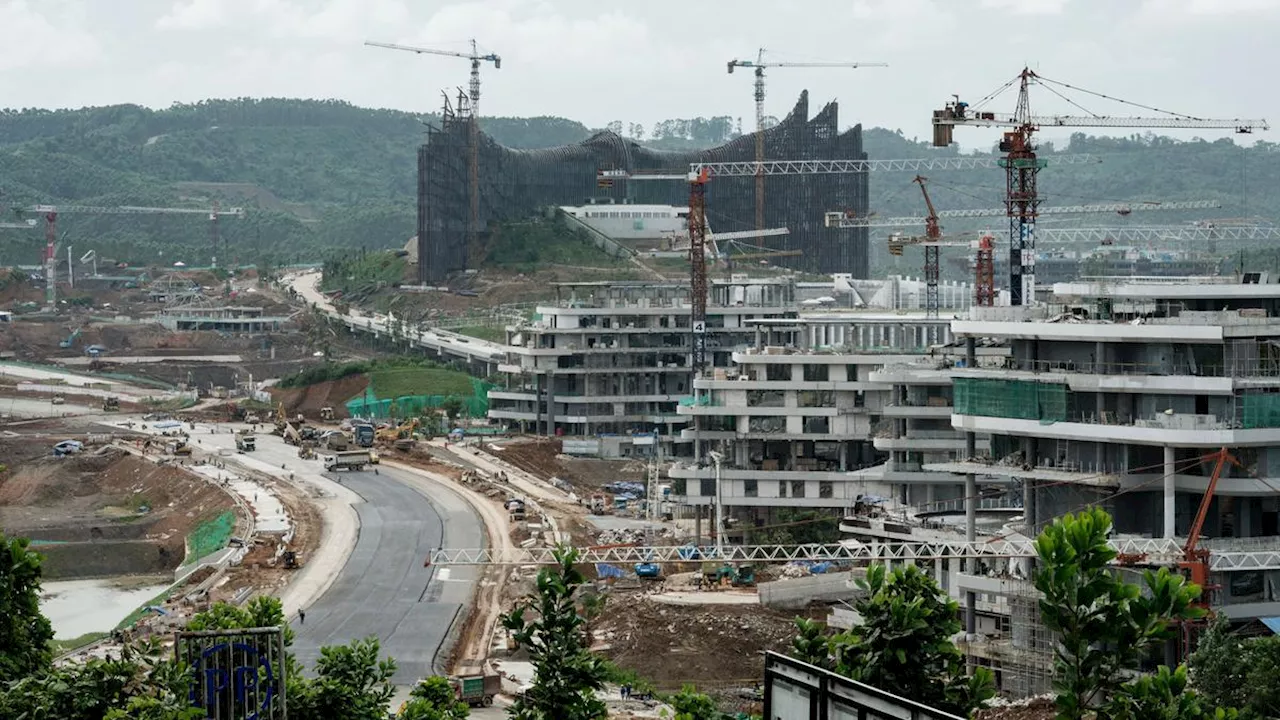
(718, 458)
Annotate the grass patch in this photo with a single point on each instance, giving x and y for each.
(624, 676)
(528, 244)
(394, 382)
(484, 332)
(363, 274)
(61, 646)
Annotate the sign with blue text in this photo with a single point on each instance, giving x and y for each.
(235, 674)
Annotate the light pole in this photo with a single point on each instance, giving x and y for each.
(718, 458)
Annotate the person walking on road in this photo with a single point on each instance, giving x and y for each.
(302, 616)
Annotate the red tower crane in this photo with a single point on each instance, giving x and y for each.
(698, 265)
(1022, 200)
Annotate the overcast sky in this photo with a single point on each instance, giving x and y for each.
(647, 60)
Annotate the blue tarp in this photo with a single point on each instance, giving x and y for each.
(1273, 624)
(608, 571)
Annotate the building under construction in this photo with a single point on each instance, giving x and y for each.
(512, 183)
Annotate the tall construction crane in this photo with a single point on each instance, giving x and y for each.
(51, 212)
(759, 65)
(698, 267)
(1022, 165)
(984, 283)
(932, 233)
(471, 113)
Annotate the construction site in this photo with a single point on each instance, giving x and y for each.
(725, 414)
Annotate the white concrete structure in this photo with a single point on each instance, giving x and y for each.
(615, 357)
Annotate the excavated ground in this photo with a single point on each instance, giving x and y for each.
(543, 458)
(103, 512)
(308, 400)
(720, 648)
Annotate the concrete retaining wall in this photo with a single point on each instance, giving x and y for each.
(796, 593)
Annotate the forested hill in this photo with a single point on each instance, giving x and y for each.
(325, 174)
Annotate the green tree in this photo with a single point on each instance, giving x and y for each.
(1231, 671)
(452, 407)
(1104, 625)
(1163, 696)
(25, 632)
(433, 699)
(810, 643)
(690, 704)
(351, 683)
(566, 674)
(903, 642)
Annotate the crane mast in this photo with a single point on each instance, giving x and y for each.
(698, 268)
(758, 86)
(932, 233)
(470, 113)
(1022, 166)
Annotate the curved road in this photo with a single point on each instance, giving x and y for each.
(384, 590)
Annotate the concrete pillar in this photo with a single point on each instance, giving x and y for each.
(697, 519)
(551, 408)
(1170, 495)
(1244, 517)
(970, 528)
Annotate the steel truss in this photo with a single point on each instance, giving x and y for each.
(834, 167)
(1158, 234)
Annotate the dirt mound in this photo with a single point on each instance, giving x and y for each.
(543, 458)
(536, 457)
(710, 646)
(308, 400)
(56, 496)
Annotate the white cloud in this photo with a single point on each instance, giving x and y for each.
(1027, 7)
(195, 15)
(45, 35)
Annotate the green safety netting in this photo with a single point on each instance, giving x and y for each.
(1260, 410)
(211, 536)
(1018, 399)
(371, 406)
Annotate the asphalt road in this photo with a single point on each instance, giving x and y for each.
(384, 590)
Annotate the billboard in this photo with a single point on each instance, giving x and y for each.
(235, 674)
(794, 690)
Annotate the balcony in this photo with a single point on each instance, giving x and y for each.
(912, 410)
(1179, 430)
(922, 441)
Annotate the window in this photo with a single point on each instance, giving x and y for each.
(707, 487)
(816, 373)
(797, 488)
(816, 398)
(851, 373)
(777, 372)
(765, 398)
(750, 488)
(782, 488)
(815, 425)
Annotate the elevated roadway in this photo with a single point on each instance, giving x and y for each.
(482, 354)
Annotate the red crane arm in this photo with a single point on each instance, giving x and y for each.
(1193, 537)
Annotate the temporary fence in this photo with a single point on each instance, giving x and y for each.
(1019, 399)
(371, 406)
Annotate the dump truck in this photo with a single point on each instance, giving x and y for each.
(476, 689)
(336, 440)
(245, 441)
(364, 434)
(348, 460)
(178, 447)
(252, 418)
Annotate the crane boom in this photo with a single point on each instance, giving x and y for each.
(842, 220)
(473, 55)
(832, 167)
(1158, 233)
(133, 210)
(1099, 121)
(1022, 165)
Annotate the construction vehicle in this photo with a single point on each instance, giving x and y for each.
(252, 418)
(282, 420)
(598, 504)
(326, 414)
(245, 442)
(349, 460)
(401, 432)
(71, 339)
(373, 458)
(290, 559)
(306, 451)
(364, 434)
(57, 400)
(476, 690)
(336, 440)
(178, 447)
(111, 404)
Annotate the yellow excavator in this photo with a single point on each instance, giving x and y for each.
(282, 420)
(400, 437)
